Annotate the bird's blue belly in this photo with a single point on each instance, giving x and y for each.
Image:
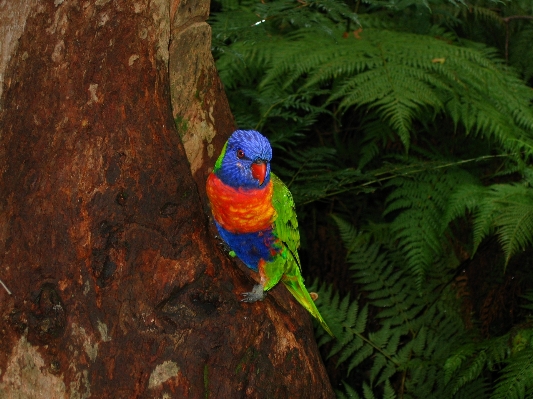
(250, 247)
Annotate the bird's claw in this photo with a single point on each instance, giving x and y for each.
(257, 294)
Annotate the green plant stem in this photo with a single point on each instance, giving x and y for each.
(376, 348)
(265, 115)
(410, 172)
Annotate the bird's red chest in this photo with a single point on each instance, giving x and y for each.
(238, 210)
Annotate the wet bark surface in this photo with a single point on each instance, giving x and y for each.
(118, 287)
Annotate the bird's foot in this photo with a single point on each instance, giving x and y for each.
(257, 294)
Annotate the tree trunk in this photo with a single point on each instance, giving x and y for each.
(118, 288)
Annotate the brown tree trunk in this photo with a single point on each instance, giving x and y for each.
(118, 289)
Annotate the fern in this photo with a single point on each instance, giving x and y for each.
(419, 109)
(349, 393)
(388, 392)
(529, 299)
(516, 377)
(398, 75)
(313, 175)
(468, 363)
(404, 76)
(419, 202)
(503, 209)
(510, 352)
(348, 325)
(416, 341)
(478, 389)
(409, 328)
(521, 52)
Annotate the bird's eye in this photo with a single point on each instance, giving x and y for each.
(240, 154)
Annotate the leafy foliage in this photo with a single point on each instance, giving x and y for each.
(404, 346)
(420, 342)
(419, 227)
(403, 76)
(400, 76)
(502, 209)
(412, 120)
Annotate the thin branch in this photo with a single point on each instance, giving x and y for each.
(506, 20)
(369, 342)
(5, 287)
(399, 171)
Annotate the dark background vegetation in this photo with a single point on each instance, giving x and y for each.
(404, 129)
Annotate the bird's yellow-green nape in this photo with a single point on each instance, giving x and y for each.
(220, 158)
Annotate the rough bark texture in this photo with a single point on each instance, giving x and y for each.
(118, 289)
(199, 104)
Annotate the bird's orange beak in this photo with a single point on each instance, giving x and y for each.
(259, 170)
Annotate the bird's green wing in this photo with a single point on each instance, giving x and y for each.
(286, 224)
(287, 264)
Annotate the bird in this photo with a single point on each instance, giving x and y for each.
(255, 216)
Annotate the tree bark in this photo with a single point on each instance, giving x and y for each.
(118, 288)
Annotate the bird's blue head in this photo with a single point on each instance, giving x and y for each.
(245, 160)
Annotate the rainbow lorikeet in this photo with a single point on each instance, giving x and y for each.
(254, 214)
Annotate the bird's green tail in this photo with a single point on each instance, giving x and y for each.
(295, 284)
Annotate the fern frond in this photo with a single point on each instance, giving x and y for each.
(388, 391)
(479, 389)
(528, 296)
(410, 329)
(313, 175)
(351, 237)
(419, 202)
(348, 325)
(349, 392)
(467, 364)
(396, 75)
(521, 54)
(503, 209)
(516, 377)
(514, 224)
(464, 200)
